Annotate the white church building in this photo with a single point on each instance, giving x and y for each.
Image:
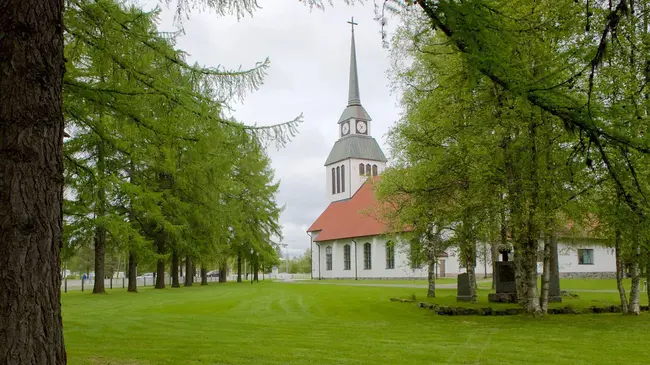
(349, 243)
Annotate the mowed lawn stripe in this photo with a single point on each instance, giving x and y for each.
(276, 323)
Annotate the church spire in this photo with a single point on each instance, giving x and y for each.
(354, 109)
(353, 98)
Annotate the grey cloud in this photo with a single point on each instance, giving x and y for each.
(309, 53)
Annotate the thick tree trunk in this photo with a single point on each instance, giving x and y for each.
(188, 271)
(239, 266)
(431, 258)
(100, 256)
(546, 273)
(256, 271)
(635, 291)
(530, 262)
(204, 276)
(100, 232)
(520, 277)
(160, 267)
(174, 270)
(31, 181)
(223, 272)
(132, 273)
(494, 255)
(620, 273)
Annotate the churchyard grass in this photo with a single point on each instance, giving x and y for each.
(422, 282)
(289, 323)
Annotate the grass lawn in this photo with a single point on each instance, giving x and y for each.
(284, 323)
(422, 282)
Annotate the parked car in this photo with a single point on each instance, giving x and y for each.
(213, 273)
(147, 275)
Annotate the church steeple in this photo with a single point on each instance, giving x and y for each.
(354, 110)
(353, 98)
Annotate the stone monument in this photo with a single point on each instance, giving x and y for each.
(504, 279)
(464, 292)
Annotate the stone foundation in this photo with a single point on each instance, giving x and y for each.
(588, 275)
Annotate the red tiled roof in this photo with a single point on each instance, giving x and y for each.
(354, 217)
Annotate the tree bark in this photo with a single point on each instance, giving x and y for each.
(204, 275)
(174, 270)
(431, 290)
(31, 181)
(100, 212)
(620, 273)
(160, 266)
(223, 271)
(239, 266)
(256, 269)
(546, 273)
(635, 290)
(132, 273)
(188, 271)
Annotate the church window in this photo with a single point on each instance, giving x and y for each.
(367, 256)
(333, 181)
(346, 257)
(338, 179)
(343, 178)
(390, 255)
(374, 170)
(361, 169)
(368, 169)
(328, 258)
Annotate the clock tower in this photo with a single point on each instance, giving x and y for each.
(356, 155)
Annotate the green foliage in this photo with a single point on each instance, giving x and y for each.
(152, 165)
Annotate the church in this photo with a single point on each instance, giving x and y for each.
(349, 243)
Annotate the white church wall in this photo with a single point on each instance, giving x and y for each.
(356, 180)
(346, 187)
(378, 270)
(602, 265)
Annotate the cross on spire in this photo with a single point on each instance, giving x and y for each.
(352, 23)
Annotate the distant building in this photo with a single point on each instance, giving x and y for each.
(349, 243)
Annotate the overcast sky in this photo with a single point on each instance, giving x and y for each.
(310, 57)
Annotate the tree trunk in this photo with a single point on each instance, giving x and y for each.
(256, 270)
(431, 291)
(239, 266)
(204, 275)
(160, 267)
(620, 273)
(530, 270)
(188, 271)
(132, 273)
(635, 290)
(174, 270)
(223, 271)
(31, 181)
(546, 273)
(100, 232)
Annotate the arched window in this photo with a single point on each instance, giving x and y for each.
(346, 258)
(390, 255)
(367, 256)
(362, 169)
(328, 258)
(333, 181)
(338, 179)
(368, 169)
(343, 178)
(374, 170)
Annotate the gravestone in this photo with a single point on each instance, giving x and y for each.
(464, 293)
(504, 278)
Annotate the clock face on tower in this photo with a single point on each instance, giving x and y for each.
(345, 128)
(361, 127)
